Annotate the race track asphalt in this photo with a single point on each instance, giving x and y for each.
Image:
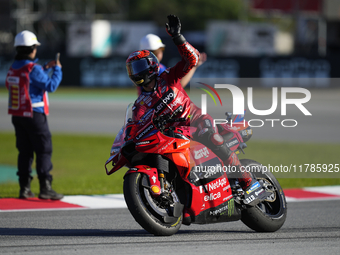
(311, 228)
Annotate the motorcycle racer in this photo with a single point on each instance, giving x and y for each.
(165, 95)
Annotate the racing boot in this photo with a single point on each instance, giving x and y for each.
(216, 143)
(244, 178)
(25, 187)
(252, 191)
(46, 191)
(207, 135)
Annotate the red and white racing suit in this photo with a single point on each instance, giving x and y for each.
(168, 96)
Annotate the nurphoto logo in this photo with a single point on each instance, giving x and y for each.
(238, 104)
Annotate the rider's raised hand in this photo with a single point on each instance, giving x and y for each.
(173, 28)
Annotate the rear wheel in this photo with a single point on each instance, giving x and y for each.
(153, 215)
(269, 215)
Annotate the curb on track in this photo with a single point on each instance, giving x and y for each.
(117, 200)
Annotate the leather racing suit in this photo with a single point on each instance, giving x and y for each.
(168, 96)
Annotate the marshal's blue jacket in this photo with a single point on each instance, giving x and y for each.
(40, 81)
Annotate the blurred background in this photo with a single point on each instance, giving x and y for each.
(265, 43)
(243, 38)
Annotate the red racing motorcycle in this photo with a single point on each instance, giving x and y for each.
(173, 180)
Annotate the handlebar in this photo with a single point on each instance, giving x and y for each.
(177, 120)
(162, 120)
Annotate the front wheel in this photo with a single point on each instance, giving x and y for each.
(149, 212)
(269, 215)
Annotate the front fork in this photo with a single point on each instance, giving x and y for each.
(162, 181)
(157, 181)
(155, 185)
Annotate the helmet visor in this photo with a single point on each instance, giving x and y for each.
(136, 67)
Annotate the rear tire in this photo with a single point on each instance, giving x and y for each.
(267, 216)
(145, 209)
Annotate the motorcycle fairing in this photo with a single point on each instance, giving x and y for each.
(211, 196)
(212, 202)
(118, 161)
(206, 172)
(225, 212)
(208, 195)
(116, 158)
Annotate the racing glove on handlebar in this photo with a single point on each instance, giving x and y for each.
(173, 28)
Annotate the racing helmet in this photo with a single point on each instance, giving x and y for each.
(142, 67)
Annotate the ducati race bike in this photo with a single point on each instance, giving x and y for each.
(173, 180)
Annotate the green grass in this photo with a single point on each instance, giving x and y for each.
(78, 165)
(285, 153)
(79, 160)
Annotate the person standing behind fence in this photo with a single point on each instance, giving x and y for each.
(28, 84)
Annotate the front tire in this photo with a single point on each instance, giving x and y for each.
(145, 210)
(269, 215)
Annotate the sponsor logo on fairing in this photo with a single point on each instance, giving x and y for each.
(201, 153)
(167, 145)
(259, 192)
(212, 196)
(231, 207)
(154, 179)
(228, 207)
(182, 144)
(218, 211)
(144, 132)
(214, 185)
(142, 143)
(232, 143)
(253, 187)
